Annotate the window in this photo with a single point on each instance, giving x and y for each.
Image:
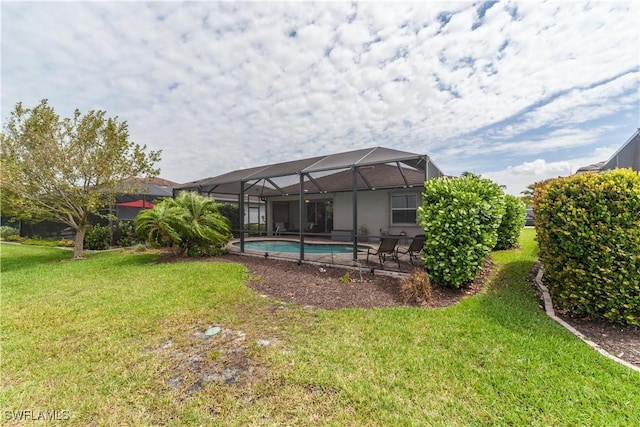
(404, 208)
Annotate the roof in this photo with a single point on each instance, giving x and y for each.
(591, 168)
(158, 181)
(372, 177)
(155, 187)
(628, 156)
(261, 179)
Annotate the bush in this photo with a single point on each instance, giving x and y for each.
(139, 248)
(255, 227)
(6, 231)
(202, 250)
(460, 217)
(190, 224)
(416, 288)
(124, 233)
(97, 237)
(589, 236)
(66, 243)
(231, 211)
(40, 242)
(512, 222)
(14, 238)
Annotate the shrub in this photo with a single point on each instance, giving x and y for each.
(40, 242)
(124, 234)
(346, 278)
(512, 222)
(190, 224)
(97, 237)
(6, 231)
(255, 227)
(460, 217)
(589, 236)
(203, 250)
(139, 248)
(231, 211)
(416, 288)
(14, 238)
(66, 243)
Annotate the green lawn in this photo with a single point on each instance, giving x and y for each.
(116, 340)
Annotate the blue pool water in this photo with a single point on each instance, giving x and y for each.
(294, 247)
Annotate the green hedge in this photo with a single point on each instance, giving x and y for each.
(97, 237)
(512, 222)
(588, 229)
(460, 217)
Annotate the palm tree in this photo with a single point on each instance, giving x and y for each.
(190, 221)
(527, 195)
(202, 223)
(159, 226)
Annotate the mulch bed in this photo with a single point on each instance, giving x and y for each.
(325, 287)
(618, 340)
(313, 286)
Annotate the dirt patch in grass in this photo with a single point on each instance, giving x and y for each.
(618, 340)
(204, 358)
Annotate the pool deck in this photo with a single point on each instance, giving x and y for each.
(344, 260)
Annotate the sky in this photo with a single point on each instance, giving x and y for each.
(515, 91)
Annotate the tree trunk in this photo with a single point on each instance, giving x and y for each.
(78, 247)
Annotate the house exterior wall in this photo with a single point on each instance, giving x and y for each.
(374, 212)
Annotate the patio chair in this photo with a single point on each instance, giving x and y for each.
(280, 228)
(386, 249)
(414, 249)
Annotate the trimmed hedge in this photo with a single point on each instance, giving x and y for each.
(512, 222)
(460, 217)
(588, 229)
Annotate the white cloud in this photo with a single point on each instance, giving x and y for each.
(222, 85)
(517, 178)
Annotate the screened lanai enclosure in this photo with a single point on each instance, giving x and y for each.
(346, 197)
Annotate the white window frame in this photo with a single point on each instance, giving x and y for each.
(405, 194)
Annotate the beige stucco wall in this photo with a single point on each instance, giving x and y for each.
(374, 211)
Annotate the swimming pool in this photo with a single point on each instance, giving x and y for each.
(290, 246)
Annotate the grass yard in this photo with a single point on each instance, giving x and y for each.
(117, 339)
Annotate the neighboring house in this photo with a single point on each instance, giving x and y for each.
(154, 189)
(628, 156)
(335, 195)
(596, 167)
(150, 190)
(127, 206)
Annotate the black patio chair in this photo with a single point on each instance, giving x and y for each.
(386, 249)
(414, 249)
